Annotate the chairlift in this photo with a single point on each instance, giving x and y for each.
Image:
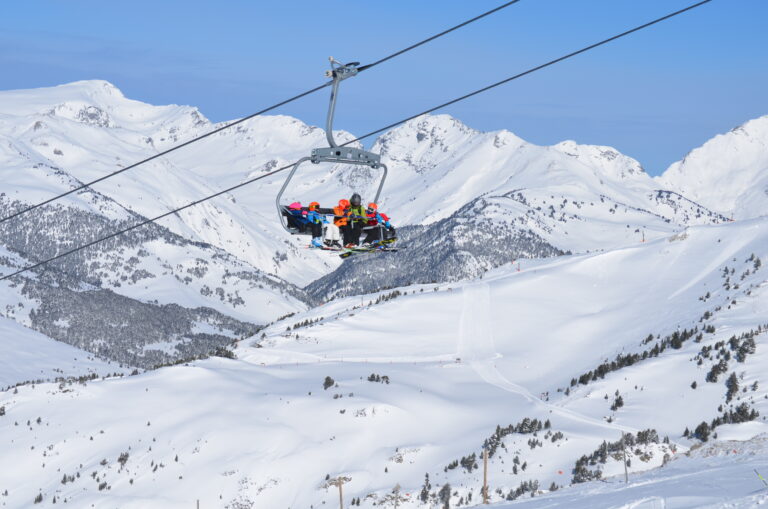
(331, 154)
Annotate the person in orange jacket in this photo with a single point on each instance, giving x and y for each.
(340, 221)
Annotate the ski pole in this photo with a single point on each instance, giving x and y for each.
(761, 477)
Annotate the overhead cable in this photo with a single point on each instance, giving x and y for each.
(283, 168)
(249, 117)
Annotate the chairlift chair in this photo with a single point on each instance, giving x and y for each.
(331, 154)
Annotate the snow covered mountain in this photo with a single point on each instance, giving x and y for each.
(28, 356)
(546, 366)
(633, 307)
(728, 174)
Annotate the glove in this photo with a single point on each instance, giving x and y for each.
(386, 223)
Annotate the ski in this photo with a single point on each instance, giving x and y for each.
(372, 249)
(325, 248)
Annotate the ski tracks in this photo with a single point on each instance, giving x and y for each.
(476, 347)
(476, 344)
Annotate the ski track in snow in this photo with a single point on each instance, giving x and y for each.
(476, 345)
(476, 339)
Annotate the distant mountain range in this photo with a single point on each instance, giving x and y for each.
(554, 305)
(465, 201)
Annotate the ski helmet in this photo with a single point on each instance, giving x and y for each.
(343, 203)
(373, 206)
(355, 200)
(314, 205)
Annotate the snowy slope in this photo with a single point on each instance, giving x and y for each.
(717, 476)
(438, 165)
(729, 173)
(26, 355)
(657, 322)
(453, 363)
(52, 138)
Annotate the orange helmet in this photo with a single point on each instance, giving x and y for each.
(343, 203)
(373, 206)
(314, 205)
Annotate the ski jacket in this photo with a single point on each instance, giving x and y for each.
(357, 214)
(308, 216)
(341, 216)
(376, 218)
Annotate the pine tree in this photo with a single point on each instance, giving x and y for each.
(702, 431)
(733, 387)
(424, 495)
(444, 495)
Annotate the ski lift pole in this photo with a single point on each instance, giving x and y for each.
(624, 450)
(339, 482)
(485, 475)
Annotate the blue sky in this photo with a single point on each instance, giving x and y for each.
(654, 95)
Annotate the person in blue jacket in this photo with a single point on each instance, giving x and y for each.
(310, 218)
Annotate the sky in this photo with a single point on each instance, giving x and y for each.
(654, 95)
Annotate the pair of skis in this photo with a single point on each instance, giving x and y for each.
(380, 246)
(346, 252)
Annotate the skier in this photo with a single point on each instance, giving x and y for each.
(377, 222)
(340, 221)
(308, 218)
(332, 235)
(357, 219)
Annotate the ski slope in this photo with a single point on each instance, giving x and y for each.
(28, 356)
(716, 476)
(391, 386)
(453, 363)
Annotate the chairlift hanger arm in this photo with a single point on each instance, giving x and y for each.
(338, 72)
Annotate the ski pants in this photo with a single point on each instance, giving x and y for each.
(379, 233)
(351, 232)
(332, 233)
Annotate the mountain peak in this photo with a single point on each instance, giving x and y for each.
(95, 102)
(427, 130)
(728, 173)
(610, 161)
